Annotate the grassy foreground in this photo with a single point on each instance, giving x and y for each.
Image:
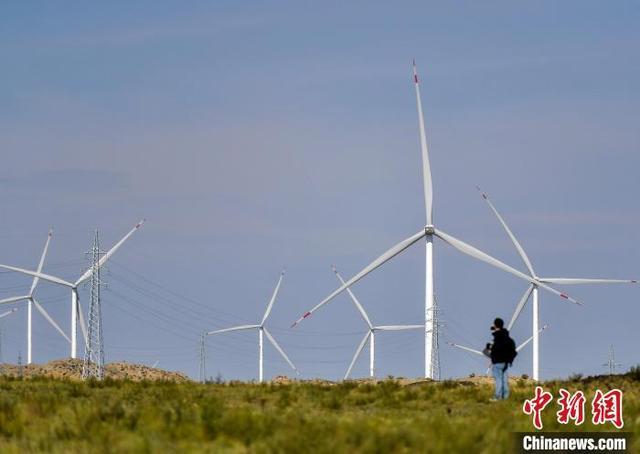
(44, 414)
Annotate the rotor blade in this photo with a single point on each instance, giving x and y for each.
(4, 314)
(273, 299)
(46, 315)
(358, 351)
(363, 313)
(462, 347)
(14, 299)
(235, 328)
(520, 306)
(44, 277)
(483, 256)
(83, 325)
(514, 240)
(41, 263)
(397, 327)
(524, 344)
(388, 255)
(109, 253)
(426, 166)
(572, 281)
(284, 355)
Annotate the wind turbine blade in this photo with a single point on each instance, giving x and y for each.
(521, 304)
(363, 313)
(483, 256)
(397, 327)
(572, 281)
(4, 314)
(235, 328)
(83, 324)
(53, 323)
(44, 277)
(462, 347)
(358, 351)
(14, 299)
(41, 263)
(426, 165)
(513, 238)
(524, 344)
(280, 350)
(388, 255)
(109, 253)
(273, 299)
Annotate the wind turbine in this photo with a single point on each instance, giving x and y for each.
(370, 335)
(428, 232)
(76, 311)
(32, 301)
(9, 312)
(532, 290)
(262, 330)
(478, 352)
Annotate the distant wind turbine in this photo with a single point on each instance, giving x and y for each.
(532, 290)
(262, 330)
(428, 232)
(32, 301)
(478, 352)
(76, 311)
(370, 335)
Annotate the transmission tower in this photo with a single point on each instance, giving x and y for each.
(93, 365)
(611, 362)
(435, 355)
(203, 359)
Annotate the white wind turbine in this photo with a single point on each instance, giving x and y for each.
(370, 335)
(478, 352)
(532, 290)
(428, 232)
(32, 301)
(76, 311)
(262, 329)
(9, 312)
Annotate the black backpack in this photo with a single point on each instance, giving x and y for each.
(511, 352)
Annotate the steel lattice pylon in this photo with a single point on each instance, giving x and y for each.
(203, 358)
(93, 365)
(435, 356)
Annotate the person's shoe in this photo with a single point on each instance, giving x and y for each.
(493, 399)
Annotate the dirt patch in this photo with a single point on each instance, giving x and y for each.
(72, 369)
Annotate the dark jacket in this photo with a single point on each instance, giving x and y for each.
(502, 347)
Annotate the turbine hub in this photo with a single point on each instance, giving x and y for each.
(429, 230)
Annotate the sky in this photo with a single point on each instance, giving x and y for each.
(257, 137)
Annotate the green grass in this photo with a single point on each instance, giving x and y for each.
(121, 416)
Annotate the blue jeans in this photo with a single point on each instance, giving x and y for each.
(501, 377)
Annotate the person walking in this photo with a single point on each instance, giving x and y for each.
(502, 352)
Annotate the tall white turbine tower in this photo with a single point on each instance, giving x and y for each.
(31, 301)
(76, 312)
(262, 330)
(428, 232)
(532, 290)
(370, 335)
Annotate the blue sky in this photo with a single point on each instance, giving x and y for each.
(276, 135)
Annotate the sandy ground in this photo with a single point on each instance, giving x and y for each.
(72, 368)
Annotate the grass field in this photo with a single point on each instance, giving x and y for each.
(123, 416)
